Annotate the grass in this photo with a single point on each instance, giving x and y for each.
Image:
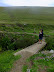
(29, 28)
(24, 69)
(30, 20)
(12, 19)
(40, 65)
(40, 62)
(16, 41)
(7, 44)
(50, 43)
(7, 59)
(10, 42)
(28, 15)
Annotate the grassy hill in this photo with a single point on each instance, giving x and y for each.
(12, 19)
(31, 15)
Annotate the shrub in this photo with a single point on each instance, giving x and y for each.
(15, 41)
(0, 49)
(50, 43)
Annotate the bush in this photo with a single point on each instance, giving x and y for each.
(14, 41)
(50, 43)
(5, 42)
(0, 49)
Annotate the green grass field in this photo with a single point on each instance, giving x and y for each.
(12, 19)
(28, 15)
(24, 19)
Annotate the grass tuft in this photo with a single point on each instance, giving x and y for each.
(7, 59)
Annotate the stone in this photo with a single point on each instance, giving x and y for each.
(51, 51)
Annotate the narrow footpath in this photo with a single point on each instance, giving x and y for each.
(26, 53)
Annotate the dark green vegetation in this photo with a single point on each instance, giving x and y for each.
(50, 43)
(40, 63)
(6, 60)
(10, 41)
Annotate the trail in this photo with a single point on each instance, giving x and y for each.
(19, 33)
(22, 33)
(26, 53)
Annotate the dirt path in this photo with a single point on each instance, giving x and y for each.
(19, 32)
(26, 53)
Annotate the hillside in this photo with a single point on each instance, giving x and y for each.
(19, 28)
(31, 15)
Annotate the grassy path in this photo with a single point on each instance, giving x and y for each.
(26, 53)
(18, 32)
